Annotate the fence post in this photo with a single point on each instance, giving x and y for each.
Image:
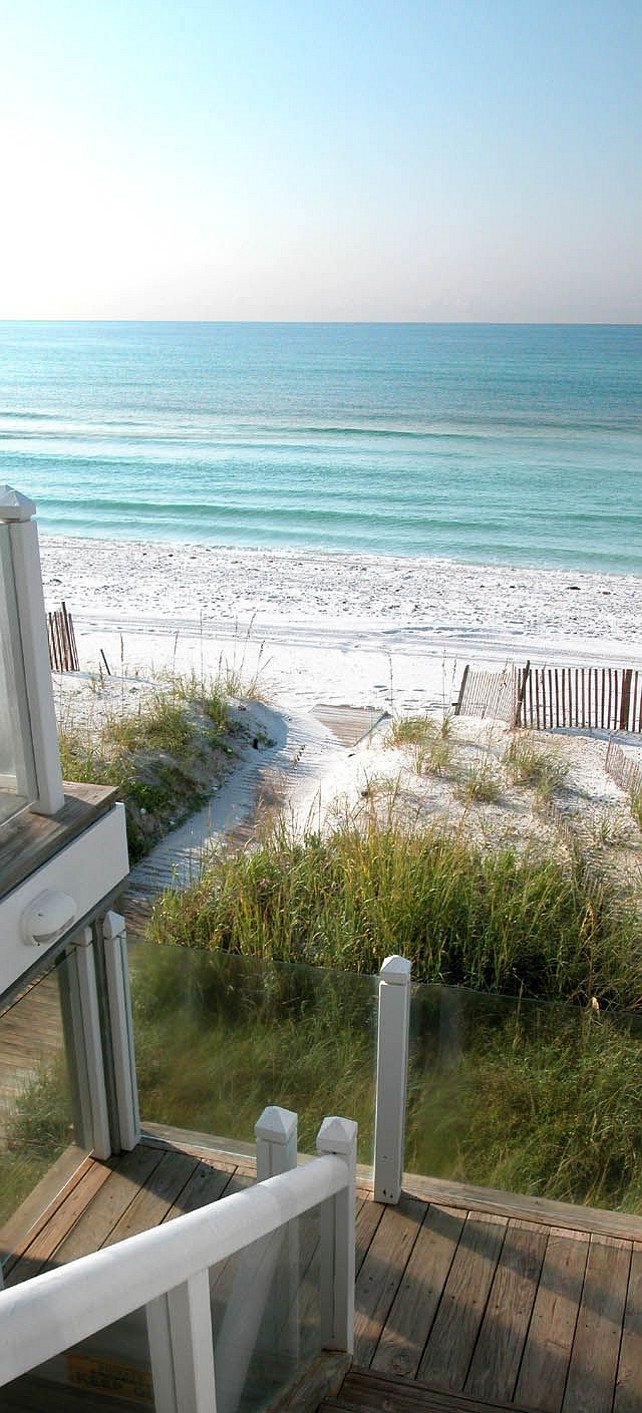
(179, 1328)
(392, 1077)
(338, 1136)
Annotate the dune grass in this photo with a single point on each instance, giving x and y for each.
(490, 919)
(161, 758)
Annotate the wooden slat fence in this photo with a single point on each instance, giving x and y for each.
(63, 654)
(592, 698)
(624, 771)
(546, 698)
(487, 694)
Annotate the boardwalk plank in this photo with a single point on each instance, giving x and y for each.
(547, 1353)
(409, 1322)
(449, 1350)
(594, 1357)
(628, 1389)
(495, 1365)
(381, 1272)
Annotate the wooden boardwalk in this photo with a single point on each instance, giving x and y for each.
(488, 1301)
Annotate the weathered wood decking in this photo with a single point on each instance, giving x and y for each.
(504, 1303)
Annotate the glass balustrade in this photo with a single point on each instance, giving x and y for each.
(525, 1096)
(218, 1037)
(43, 1097)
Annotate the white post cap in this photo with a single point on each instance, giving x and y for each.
(113, 925)
(337, 1135)
(275, 1125)
(396, 970)
(14, 506)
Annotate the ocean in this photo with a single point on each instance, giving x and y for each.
(499, 444)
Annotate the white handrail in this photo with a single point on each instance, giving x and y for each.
(43, 1316)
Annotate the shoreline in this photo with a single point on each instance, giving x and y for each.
(391, 632)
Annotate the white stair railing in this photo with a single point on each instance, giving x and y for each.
(166, 1271)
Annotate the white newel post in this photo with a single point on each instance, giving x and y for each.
(392, 1078)
(276, 1142)
(121, 1028)
(338, 1136)
(17, 511)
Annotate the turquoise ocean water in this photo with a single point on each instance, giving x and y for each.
(492, 443)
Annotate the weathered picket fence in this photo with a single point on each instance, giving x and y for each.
(487, 694)
(624, 771)
(546, 698)
(63, 654)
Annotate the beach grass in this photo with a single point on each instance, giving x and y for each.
(494, 919)
(163, 757)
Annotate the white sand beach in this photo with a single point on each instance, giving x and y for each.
(371, 631)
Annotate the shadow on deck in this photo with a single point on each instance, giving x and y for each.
(465, 1299)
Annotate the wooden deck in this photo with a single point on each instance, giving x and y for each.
(499, 1302)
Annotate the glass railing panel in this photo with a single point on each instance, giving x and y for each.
(266, 1315)
(527, 1097)
(43, 1115)
(110, 1370)
(17, 770)
(219, 1036)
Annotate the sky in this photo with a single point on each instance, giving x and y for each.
(425, 160)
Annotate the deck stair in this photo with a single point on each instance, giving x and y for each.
(363, 1391)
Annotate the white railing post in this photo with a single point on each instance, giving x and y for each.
(276, 1142)
(392, 1077)
(338, 1136)
(263, 1300)
(92, 1043)
(179, 1328)
(121, 1028)
(276, 1134)
(17, 511)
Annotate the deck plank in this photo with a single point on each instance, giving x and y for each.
(628, 1388)
(590, 1386)
(449, 1350)
(495, 1364)
(547, 1353)
(154, 1202)
(108, 1206)
(381, 1273)
(368, 1218)
(409, 1322)
(61, 1218)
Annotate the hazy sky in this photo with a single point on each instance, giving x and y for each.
(321, 159)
